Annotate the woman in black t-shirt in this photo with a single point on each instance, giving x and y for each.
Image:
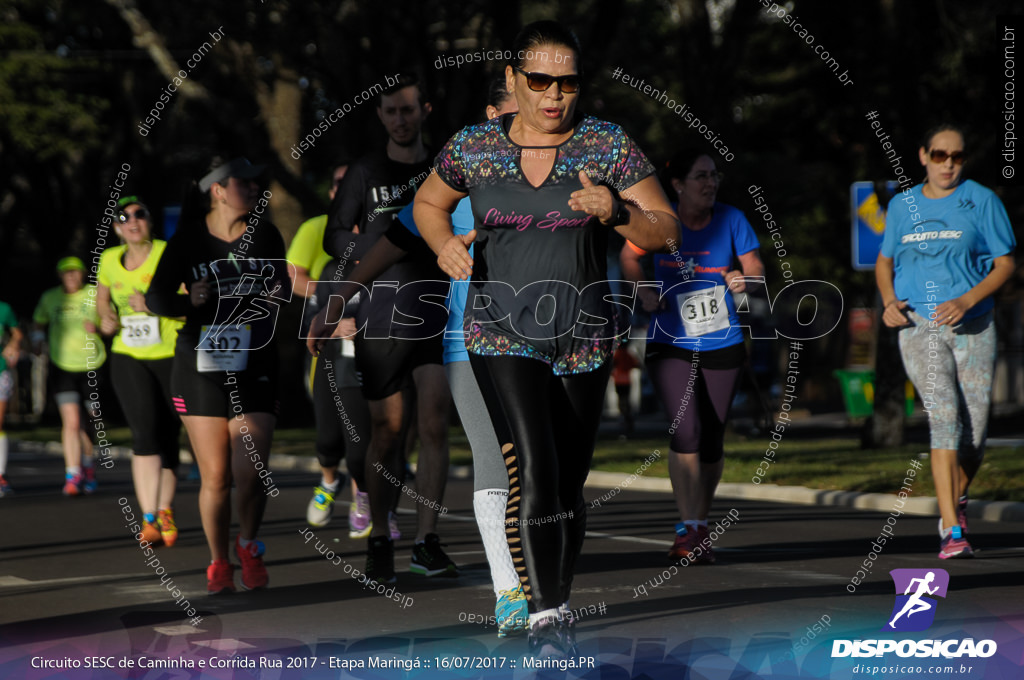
(546, 187)
(232, 263)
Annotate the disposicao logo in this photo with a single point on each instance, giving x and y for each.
(914, 610)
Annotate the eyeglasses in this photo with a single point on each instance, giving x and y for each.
(939, 156)
(540, 82)
(716, 177)
(139, 214)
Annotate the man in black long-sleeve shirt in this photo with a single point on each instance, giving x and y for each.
(389, 350)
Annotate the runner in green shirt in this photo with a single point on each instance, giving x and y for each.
(76, 355)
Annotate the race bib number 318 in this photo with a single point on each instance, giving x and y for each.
(703, 311)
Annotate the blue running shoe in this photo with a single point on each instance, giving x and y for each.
(89, 484)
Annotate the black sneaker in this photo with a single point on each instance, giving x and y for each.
(428, 559)
(380, 560)
(553, 638)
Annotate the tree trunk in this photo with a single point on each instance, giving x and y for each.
(281, 108)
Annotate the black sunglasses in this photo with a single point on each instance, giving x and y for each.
(139, 214)
(939, 156)
(540, 82)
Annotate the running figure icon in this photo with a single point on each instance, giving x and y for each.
(915, 603)
(249, 291)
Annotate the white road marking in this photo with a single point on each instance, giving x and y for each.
(224, 645)
(17, 582)
(183, 629)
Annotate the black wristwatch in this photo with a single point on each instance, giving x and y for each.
(621, 214)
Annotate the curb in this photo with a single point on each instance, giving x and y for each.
(989, 511)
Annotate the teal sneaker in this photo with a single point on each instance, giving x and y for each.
(511, 612)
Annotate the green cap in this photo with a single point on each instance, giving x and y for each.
(128, 200)
(69, 264)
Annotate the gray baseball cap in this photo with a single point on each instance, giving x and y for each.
(239, 167)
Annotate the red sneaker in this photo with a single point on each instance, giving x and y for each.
(220, 578)
(707, 555)
(254, 574)
(684, 546)
(89, 484)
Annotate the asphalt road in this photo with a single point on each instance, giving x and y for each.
(74, 585)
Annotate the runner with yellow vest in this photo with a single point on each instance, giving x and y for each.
(76, 355)
(141, 356)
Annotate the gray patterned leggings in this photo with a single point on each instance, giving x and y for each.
(952, 371)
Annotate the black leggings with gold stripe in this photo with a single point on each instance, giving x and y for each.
(547, 426)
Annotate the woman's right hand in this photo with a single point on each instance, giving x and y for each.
(893, 315)
(137, 301)
(318, 332)
(200, 292)
(454, 257)
(109, 324)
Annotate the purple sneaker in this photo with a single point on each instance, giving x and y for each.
(393, 526)
(359, 524)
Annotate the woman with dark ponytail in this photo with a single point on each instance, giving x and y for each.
(230, 260)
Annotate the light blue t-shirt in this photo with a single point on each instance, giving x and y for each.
(454, 338)
(943, 247)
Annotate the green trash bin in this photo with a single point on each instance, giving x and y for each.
(857, 386)
(859, 393)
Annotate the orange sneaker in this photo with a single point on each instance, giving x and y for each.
(168, 529)
(150, 533)
(220, 577)
(72, 484)
(254, 574)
